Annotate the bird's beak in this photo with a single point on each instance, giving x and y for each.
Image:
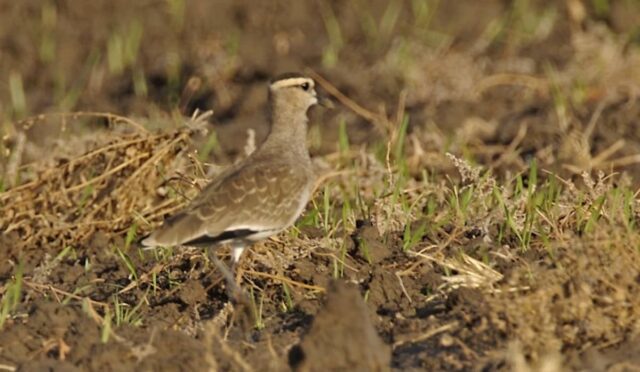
(325, 101)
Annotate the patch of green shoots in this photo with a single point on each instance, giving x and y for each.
(256, 309)
(67, 251)
(48, 18)
(330, 55)
(338, 263)
(364, 249)
(123, 47)
(125, 314)
(399, 146)
(105, 333)
(509, 223)
(594, 213)
(343, 138)
(154, 282)
(128, 263)
(18, 97)
(287, 305)
(379, 32)
(212, 145)
(132, 234)
(163, 254)
(12, 295)
(177, 11)
(412, 236)
(327, 209)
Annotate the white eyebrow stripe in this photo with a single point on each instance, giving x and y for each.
(291, 82)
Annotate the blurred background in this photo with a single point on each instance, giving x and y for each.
(470, 75)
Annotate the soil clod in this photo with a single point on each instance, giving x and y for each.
(341, 337)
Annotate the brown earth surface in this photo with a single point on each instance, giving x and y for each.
(481, 80)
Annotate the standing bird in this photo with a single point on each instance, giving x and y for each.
(262, 194)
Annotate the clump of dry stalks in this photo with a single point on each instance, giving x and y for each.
(109, 188)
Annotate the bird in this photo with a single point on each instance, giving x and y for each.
(261, 195)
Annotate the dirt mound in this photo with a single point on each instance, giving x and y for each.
(341, 336)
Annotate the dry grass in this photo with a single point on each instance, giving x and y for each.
(110, 188)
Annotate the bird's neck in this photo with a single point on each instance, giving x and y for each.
(288, 131)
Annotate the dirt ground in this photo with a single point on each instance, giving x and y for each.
(499, 83)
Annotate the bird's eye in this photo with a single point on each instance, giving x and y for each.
(305, 86)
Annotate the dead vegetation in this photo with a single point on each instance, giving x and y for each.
(111, 188)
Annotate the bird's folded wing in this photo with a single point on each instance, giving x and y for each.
(252, 198)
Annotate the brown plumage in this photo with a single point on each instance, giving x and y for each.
(261, 195)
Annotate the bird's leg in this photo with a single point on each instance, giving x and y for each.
(234, 291)
(237, 247)
(226, 274)
(238, 298)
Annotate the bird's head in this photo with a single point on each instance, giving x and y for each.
(296, 91)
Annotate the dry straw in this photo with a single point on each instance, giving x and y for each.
(109, 188)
